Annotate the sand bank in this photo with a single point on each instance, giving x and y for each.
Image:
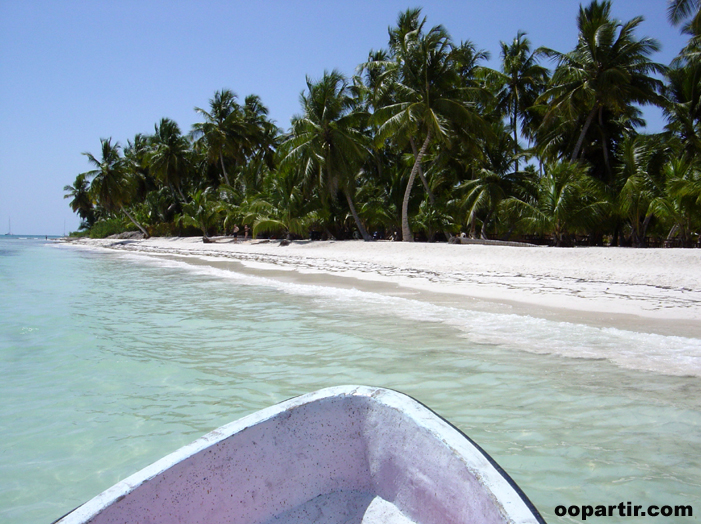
(656, 290)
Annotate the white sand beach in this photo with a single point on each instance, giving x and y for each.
(654, 290)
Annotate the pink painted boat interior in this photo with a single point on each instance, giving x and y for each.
(337, 459)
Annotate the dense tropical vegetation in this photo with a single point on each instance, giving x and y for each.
(426, 142)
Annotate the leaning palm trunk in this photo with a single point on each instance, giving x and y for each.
(607, 162)
(205, 237)
(580, 141)
(406, 230)
(472, 224)
(181, 194)
(639, 227)
(483, 231)
(221, 159)
(172, 192)
(643, 234)
(358, 223)
(124, 210)
(183, 200)
(514, 122)
(431, 198)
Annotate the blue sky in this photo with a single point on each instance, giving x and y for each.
(72, 72)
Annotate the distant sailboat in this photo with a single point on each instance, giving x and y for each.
(9, 227)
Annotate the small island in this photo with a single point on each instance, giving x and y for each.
(426, 143)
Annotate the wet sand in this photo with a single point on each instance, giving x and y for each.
(647, 290)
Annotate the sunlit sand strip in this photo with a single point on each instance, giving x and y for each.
(592, 284)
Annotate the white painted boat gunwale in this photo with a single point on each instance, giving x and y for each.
(512, 503)
(493, 463)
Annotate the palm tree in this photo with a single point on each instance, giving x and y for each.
(201, 212)
(683, 110)
(428, 95)
(261, 140)
(566, 203)
(639, 171)
(681, 10)
(493, 181)
(169, 156)
(607, 72)
(519, 84)
(219, 125)
(82, 202)
(326, 141)
(136, 158)
(281, 206)
(680, 205)
(433, 219)
(112, 186)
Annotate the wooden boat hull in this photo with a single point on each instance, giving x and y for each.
(342, 454)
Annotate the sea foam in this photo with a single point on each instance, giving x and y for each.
(671, 355)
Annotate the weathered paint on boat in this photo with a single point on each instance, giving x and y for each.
(342, 454)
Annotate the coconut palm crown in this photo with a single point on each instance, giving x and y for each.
(608, 71)
(429, 98)
(112, 186)
(326, 141)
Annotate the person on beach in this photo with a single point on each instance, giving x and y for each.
(236, 233)
(246, 229)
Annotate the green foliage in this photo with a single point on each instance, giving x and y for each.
(326, 143)
(517, 152)
(282, 207)
(432, 220)
(82, 202)
(568, 202)
(169, 155)
(597, 84)
(169, 229)
(202, 212)
(113, 185)
(110, 226)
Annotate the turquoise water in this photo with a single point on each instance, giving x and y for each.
(109, 361)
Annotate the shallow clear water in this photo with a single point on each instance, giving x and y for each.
(109, 361)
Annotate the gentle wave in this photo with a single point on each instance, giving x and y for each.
(665, 354)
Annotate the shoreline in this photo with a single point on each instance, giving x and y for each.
(646, 290)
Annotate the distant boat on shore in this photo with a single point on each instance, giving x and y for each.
(9, 227)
